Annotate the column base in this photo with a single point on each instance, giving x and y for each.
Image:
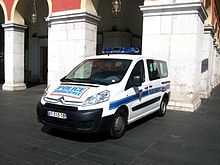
(14, 87)
(184, 106)
(205, 95)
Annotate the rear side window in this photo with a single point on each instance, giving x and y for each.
(163, 69)
(157, 69)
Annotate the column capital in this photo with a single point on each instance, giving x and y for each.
(175, 9)
(79, 16)
(218, 50)
(209, 29)
(14, 26)
(215, 43)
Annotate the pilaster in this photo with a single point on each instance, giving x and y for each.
(174, 31)
(14, 57)
(214, 65)
(217, 66)
(207, 61)
(71, 37)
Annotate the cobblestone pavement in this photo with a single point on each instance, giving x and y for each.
(178, 138)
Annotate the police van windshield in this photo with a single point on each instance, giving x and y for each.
(99, 71)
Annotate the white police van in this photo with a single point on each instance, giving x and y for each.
(106, 93)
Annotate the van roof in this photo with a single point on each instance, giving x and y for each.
(117, 56)
(123, 56)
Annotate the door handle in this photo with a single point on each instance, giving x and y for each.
(150, 86)
(165, 82)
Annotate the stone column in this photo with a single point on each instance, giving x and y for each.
(213, 79)
(207, 61)
(71, 37)
(14, 57)
(217, 67)
(173, 31)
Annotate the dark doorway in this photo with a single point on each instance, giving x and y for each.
(122, 30)
(2, 76)
(43, 64)
(36, 41)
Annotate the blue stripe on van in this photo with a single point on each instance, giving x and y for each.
(126, 100)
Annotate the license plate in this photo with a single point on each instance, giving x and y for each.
(57, 114)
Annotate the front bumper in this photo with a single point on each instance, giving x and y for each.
(77, 121)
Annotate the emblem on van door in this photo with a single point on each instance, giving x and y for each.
(61, 99)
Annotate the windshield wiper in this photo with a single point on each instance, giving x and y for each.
(99, 82)
(66, 80)
(84, 81)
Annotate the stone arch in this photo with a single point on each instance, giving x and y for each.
(89, 6)
(96, 3)
(114, 30)
(208, 7)
(15, 17)
(35, 37)
(2, 4)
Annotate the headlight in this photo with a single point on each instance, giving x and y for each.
(42, 101)
(98, 98)
(46, 90)
(45, 93)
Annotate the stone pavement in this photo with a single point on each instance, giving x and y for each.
(178, 138)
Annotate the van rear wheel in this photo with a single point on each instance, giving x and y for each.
(163, 107)
(118, 126)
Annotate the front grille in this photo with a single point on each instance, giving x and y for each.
(60, 107)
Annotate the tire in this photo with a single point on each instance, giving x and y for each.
(163, 107)
(118, 127)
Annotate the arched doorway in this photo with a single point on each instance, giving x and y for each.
(1, 46)
(36, 39)
(121, 30)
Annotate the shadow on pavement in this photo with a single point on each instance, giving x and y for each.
(79, 137)
(92, 137)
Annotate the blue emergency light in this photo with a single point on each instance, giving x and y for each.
(130, 50)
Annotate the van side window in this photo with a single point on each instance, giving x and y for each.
(137, 71)
(153, 70)
(163, 69)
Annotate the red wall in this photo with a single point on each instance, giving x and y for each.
(9, 4)
(62, 5)
(57, 5)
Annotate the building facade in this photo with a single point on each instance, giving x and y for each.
(184, 32)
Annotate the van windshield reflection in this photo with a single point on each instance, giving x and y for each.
(99, 71)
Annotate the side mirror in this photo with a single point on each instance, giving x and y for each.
(137, 81)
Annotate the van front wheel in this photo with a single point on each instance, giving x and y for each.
(118, 126)
(163, 107)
